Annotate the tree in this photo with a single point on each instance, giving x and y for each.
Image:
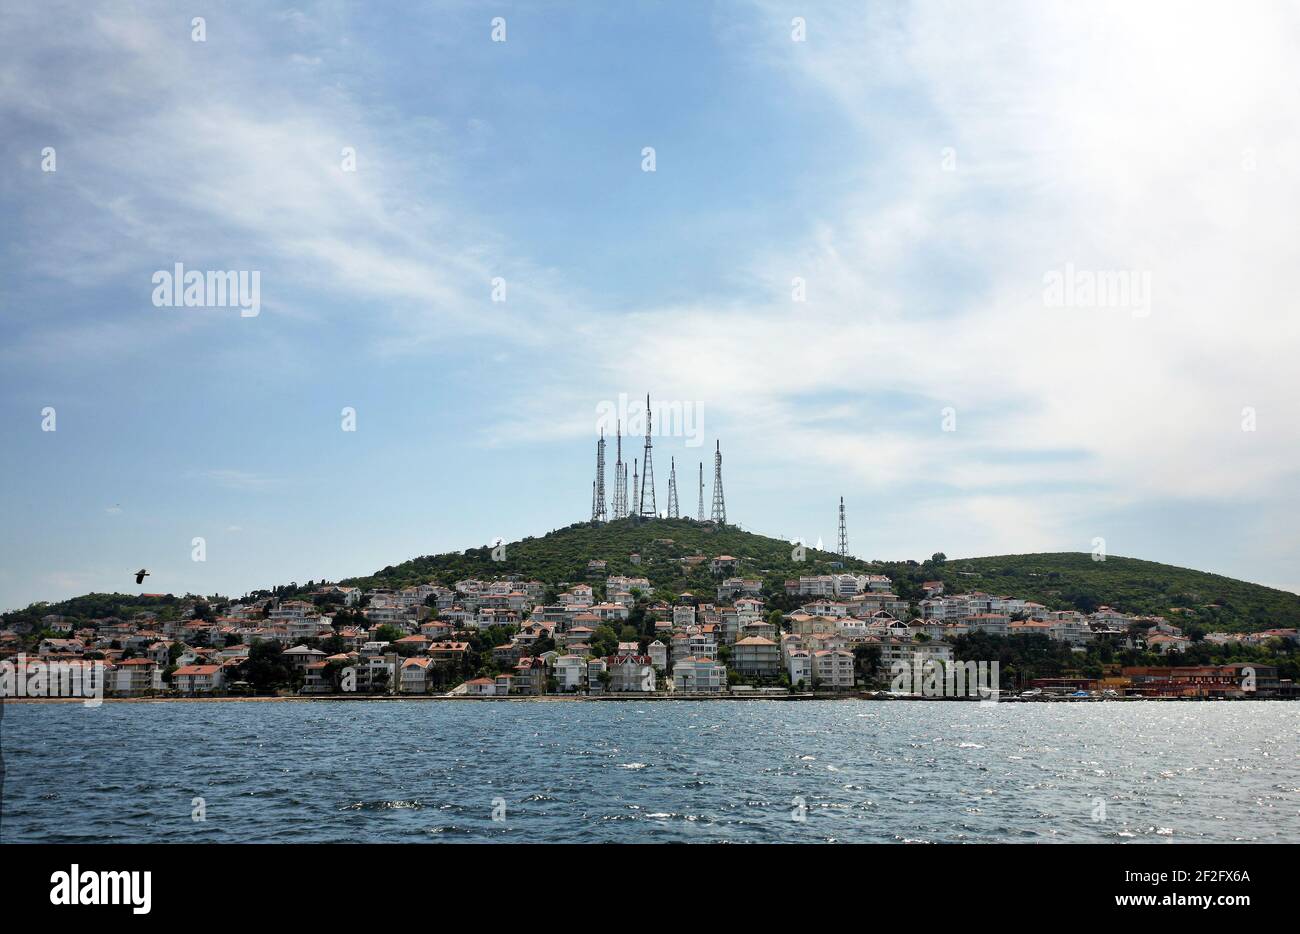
(866, 662)
(333, 673)
(938, 558)
(604, 642)
(265, 668)
(333, 645)
(388, 633)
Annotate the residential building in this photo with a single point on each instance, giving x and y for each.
(756, 657)
(631, 674)
(198, 679)
(832, 670)
(798, 664)
(570, 673)
(415, 675)
(699, 676)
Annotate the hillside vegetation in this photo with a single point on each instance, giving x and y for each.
(1194, 599)
(1064, 580)
(1071, 579)
(562, 556)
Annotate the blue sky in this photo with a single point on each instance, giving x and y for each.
(920, 167)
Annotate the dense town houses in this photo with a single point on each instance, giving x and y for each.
(609, 635)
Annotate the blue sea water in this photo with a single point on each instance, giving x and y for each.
(739, 771)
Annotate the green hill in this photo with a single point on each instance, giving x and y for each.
(1059, 580)
(1072, 579)
(562, 556)
(1066, 580)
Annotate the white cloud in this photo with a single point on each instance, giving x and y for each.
(219, 153)
(1114, 138)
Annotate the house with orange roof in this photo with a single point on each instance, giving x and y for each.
(416, 677)
(134, 677)
(448, 651)
(480, 687)
(723, 563)
(756, 656)
(198, 679)
(1164, 644)
(530, 676)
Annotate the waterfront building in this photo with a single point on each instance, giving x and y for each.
(699, 676)
(756, 656)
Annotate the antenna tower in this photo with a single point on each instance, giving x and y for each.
(844, 534)
(619, 506)
(598, 513)
(719, 504)
(647, 472)
(672, 489)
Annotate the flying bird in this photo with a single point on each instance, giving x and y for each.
(140, 575)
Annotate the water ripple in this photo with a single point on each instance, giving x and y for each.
(681, 772)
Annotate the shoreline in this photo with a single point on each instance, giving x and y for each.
(614, 698)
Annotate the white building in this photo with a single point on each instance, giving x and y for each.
(799, 664)
(571, 672)
(631, 674)
(699, 676)
(833, 669)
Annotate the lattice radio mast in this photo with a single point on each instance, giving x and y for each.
(672, 489)
(719, 504)
(598, 513)
(844, 534)
(619, 507)
(647, 472)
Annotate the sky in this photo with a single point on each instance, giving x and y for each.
(1008, 278)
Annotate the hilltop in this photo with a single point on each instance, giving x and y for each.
(562, 556)
(1073, 579)
(1063, 580)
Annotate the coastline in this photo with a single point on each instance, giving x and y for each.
(616, 698)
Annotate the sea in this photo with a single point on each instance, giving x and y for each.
(752, 771)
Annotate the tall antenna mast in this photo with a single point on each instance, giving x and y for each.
(634, 479)
(672, 489)
(701, 513)
(719, 504)
(598, 513)
(844, 534)
(619, 506)
(647, 472)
